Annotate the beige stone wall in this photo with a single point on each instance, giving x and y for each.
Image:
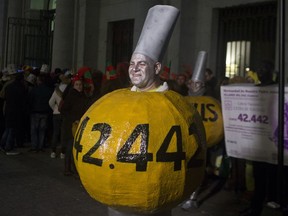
(80, 35)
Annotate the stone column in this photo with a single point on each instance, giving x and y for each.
(87, 33)
(15, 8)
(62, 54)
(11, 8)
(3, 21)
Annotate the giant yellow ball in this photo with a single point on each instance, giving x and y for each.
(210, 110)
(140, 152)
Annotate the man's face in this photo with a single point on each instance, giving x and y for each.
(195, 86)
(208, 76)
(181, 80)
(142, 71)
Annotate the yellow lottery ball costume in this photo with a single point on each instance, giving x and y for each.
(210, 110)
(140, 152)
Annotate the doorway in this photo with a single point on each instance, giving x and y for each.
(119, 41)
(247, 35)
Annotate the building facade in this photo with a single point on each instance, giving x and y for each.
(71, 33)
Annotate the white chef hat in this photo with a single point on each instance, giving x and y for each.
(200, 66)
(157, 31)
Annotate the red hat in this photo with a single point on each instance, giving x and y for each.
(75, 78)
(85, 74)
(110, 72)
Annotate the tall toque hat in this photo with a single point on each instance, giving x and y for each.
(200, 66)
(157, 31)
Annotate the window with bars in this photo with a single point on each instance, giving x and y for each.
(246, 36)
(237, 58)
(29, 41)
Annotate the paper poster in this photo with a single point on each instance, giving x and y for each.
(250, 115)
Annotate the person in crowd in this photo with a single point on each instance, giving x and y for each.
(122, 72)
(265, 174)
(4, 78)
(14, 97)
(56, 76)
(39, 107)
(112, 83)
(30, 82)
(251, 77)
(196, 84)
(74, 106)
(45, 72)
(145, 62)
(237, 179)
(173, 86)
(222, 82)
(210, 82)
(8, 78)
(54, 103)
(181, 81)
(86, 75)
(97, 77)
(201, 84)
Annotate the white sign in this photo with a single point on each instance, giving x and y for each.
(250, 115)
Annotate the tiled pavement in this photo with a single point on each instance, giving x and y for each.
(33, 184)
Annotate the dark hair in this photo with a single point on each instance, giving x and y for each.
(265, 66)
(209, 71)
(57, 71)
(19, 76)
(265, 72)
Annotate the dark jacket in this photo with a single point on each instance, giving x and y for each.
(15, 99)
(39, 99)
(74, 106)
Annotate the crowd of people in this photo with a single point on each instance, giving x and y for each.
(38, 107)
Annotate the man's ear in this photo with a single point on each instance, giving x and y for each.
(157, 67)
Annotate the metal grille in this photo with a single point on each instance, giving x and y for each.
(247, 34)
(237, 58)
(29, 42)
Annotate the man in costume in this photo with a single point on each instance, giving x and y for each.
(145, 63)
